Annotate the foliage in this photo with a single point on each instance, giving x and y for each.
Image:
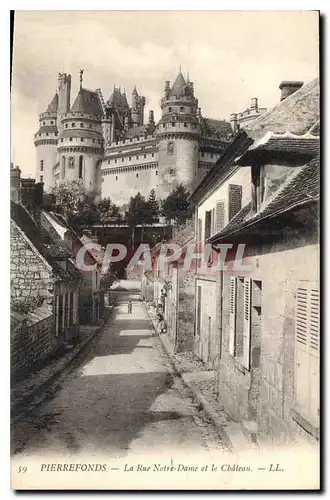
(109, 212)
(177, 206)
(139, 212)
(153, 205)
(26, 305)
(108, 279)
(69, 194)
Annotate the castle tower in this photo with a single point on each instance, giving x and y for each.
(137, 113)
(80, 147)
(45, 141)
(64, 94)
(178, 133)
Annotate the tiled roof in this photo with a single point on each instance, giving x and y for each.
(215, 129)
(41, 240)
(117, 99)
(296, 114)
(302, 188)
(53, 105)
(179, 85)
(87, 101)
(137, 131)
(280, 145)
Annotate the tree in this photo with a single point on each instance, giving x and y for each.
(153, 205)
(109, 212)
(68, 195)
(138, 213)
(177, 205)
(87, 213)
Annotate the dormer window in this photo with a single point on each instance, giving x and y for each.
(258, 186)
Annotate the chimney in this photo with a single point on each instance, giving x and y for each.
(15, 183)
(287, 88)
(254, 104)
(234, 122)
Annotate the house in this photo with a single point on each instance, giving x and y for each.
(173, 288)
(91, 300)
(263, 192)
(44, 294)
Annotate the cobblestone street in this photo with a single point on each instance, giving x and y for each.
(119, 398)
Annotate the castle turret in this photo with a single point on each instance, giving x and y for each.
(137, 113)
(45, 141)
(178, 133)
(64, 94)
(80, 147)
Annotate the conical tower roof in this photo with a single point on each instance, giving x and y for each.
(178, 86)
(87, 102)
(117, 99)
(53, 105)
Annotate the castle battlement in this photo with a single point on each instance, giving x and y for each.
(73, 114)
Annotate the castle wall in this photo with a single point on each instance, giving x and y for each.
(121, 183)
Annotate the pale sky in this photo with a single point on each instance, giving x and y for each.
(230, 57)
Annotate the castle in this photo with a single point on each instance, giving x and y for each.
(116, 154)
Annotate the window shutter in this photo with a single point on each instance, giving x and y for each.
(213, 221)
(220, 216)
(247, 323)
(307, 351)
(235, 199)
(232, 315)
(207, 225)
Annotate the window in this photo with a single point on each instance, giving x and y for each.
(122, 159)
(203, 154)
(82, 125)
(93, 140)
(208, 221)
(73, 124)
(70, 138)
(137, 175)
(130, 158)
(44, 123)
(116, 177)
(108, 162)
(62, 139)
(307, 354)
(235, 199)
(171, 171)
(41, 178)
(51, 122)
(81, 167)
(41, 165)
(116, 160)
(185, 125)
(66, 125)
(82, 139)
(173, 124)
(181, 108)
(90, 125)
(152, 154)
(156, 172)
(47, 133)
(258, 186)
(169, 109)
(144, 156)
(137, 157)
(63, 167)
(170, 148)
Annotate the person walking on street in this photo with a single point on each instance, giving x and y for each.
(129, 307)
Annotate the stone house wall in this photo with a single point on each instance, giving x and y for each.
(32, 341)
(31, 276)
(265, 393)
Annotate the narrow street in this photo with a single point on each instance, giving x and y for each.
(119, 398)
